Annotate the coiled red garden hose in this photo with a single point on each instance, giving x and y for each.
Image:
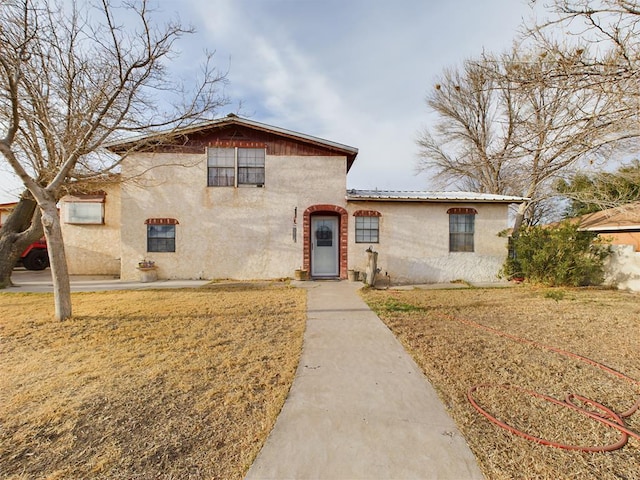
(600, 413)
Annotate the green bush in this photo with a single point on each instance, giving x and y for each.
(557, 256)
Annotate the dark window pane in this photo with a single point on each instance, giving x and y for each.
(221, 177)
(250, 176)
(461, 232)
(324, 236)
(251, 166)
(161, 238)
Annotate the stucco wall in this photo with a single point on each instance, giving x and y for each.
(94, 249)
(623, 238)
(224, 232)
(414, 243)
(622, 268)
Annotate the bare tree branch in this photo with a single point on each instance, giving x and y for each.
(72, 78)
(511, 124)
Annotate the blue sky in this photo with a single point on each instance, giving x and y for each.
(351, 71)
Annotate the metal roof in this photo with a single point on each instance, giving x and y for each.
(422, 196)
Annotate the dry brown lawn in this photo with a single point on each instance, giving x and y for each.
(599, 324)
(145, 384)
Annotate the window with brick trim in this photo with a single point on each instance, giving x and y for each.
(461, 229)
(234, 166)
(367, 229)
(161, 234)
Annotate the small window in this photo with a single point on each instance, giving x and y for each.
(367, 229)
(86, 213)
(161, 238)
(230, 167)
(461, 232)
(324, 236)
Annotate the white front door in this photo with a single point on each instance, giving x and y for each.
(324, 245)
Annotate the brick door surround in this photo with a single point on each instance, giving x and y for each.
(326, 209)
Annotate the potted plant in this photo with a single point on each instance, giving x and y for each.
(148, 271)
(301, 274)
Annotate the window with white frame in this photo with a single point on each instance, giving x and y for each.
(461, 229)
(221, 167)
(367, 227)
(250, 166)
(84, 210)
(234, 166)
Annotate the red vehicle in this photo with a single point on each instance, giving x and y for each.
(35, 257)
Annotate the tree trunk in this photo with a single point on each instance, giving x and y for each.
(519, 219)
(22, 228)
(57, 259)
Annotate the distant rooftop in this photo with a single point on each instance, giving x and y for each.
(420, 196)
(624, 217)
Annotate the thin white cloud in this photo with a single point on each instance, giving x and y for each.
(354, 71)
(291, 86)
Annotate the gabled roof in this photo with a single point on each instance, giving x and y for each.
(146, 141)
(625, 217)
(420, 196)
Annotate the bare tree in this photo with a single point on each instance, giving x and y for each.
(611, 26)
(73, 76)
(608, 32)
(520, 128)
(471, 143)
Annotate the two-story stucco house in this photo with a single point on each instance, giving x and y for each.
(235, 198)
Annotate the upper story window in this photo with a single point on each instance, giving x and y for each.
(234, 166)
(461, 229)
(85, 209)
(221, 167)
(367, 226)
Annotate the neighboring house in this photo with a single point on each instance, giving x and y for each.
(621, 227)
(235, 198)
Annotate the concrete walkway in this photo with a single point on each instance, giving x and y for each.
(359, 407)
(40, 282)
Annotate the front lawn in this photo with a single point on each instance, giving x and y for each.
(145, 384)
(446, 332)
